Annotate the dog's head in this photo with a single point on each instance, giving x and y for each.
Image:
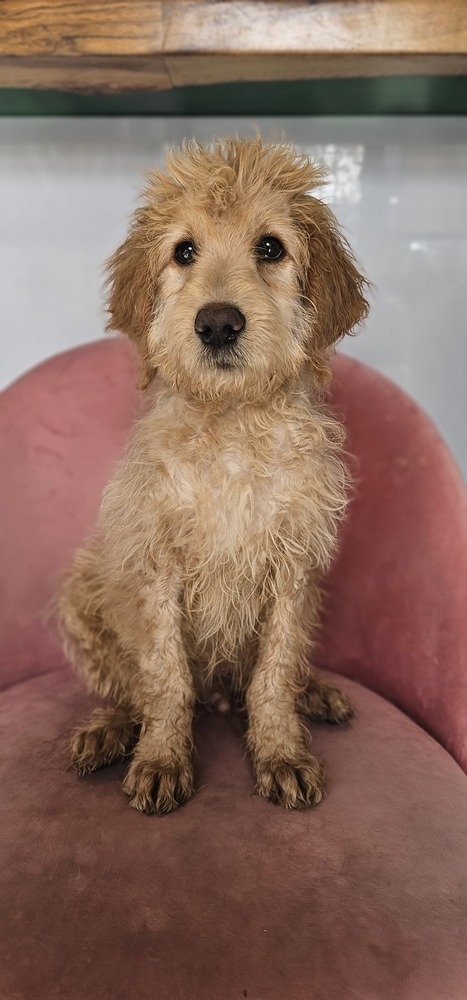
(234, 278)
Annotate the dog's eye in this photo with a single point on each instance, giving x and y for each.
(185, 252)
(269, 248)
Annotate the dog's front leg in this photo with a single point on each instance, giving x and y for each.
(286, 772)
(160, 777)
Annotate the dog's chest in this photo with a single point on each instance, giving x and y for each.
(246, 510)
(230, 501)
(227, 513)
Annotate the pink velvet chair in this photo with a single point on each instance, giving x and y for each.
(364, 897)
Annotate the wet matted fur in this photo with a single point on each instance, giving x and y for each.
(202, 577)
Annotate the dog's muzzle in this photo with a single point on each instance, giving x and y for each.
(219, 325)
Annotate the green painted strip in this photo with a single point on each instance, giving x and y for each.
(403, 95)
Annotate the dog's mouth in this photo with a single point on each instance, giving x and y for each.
(225, 366)
(223, 359)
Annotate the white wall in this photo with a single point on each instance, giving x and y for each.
(398, 186)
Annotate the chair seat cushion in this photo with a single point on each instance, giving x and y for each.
(364, 897)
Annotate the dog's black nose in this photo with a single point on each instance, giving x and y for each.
(219, 324)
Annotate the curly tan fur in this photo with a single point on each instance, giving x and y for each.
(203, 573)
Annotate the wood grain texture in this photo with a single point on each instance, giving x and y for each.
(73, 28)
(104, 45)
(186, 70)
(103, 75)
(82, 45)
(344, 27)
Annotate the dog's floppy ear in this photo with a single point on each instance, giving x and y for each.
(333, 285)
(131, 282)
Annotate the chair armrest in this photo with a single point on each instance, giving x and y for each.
(63, 426)
(395, 614)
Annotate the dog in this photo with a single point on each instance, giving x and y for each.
(202, 578)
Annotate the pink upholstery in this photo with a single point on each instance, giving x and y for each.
(363, 898)
(396, 615)
(62, 428)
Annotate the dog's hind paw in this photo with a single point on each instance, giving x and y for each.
(154, 787)
(109, 735)
(325, 703)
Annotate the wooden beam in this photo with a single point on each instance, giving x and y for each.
(82, 45)
(210, 42)
(103, 45)
(73, 28)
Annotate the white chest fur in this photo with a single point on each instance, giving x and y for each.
(240, 500)
(230, 495)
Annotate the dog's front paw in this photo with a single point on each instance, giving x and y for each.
(155, 787)
(292, 783)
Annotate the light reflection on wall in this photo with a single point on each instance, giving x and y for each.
(344, 168)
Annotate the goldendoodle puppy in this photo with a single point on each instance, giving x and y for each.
(202, 577)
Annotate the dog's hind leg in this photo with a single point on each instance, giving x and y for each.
(110, 734)
(95, 651)
(324, 702)
(91, 644)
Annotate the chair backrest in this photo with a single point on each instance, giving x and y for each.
(395, 614)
